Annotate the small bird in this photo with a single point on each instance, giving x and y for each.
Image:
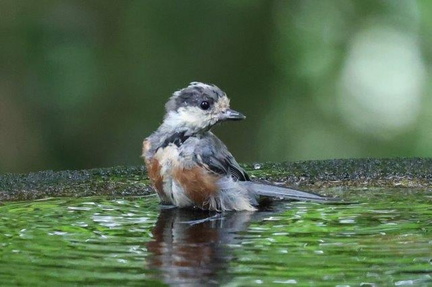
(190, 167)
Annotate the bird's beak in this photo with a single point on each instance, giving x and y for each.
(231, 115)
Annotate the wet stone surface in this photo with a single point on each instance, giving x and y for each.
(313, 175)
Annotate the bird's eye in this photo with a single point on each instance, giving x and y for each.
(205, 105)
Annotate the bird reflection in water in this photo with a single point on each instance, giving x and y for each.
(190, 247)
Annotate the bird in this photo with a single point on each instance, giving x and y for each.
(190, 167)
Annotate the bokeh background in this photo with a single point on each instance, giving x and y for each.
(82, 83)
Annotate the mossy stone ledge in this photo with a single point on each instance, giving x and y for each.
(133, 181)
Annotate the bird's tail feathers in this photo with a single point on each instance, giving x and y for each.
(274, 191)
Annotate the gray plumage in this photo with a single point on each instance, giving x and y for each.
(184, 142)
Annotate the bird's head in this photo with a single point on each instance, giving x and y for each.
(198, 107)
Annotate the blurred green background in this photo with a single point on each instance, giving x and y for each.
(82, 83)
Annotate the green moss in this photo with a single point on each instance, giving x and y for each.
(397, 172)
(117, 181)
(125, 181)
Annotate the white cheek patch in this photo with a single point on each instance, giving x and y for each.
(186, 117)
(193, 117)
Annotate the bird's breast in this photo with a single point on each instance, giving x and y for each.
(178, 180)
(165, 161)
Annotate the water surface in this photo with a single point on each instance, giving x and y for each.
(383, 239)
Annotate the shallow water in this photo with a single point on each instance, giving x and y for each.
(384, 239)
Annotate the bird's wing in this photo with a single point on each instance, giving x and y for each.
(212, 154)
